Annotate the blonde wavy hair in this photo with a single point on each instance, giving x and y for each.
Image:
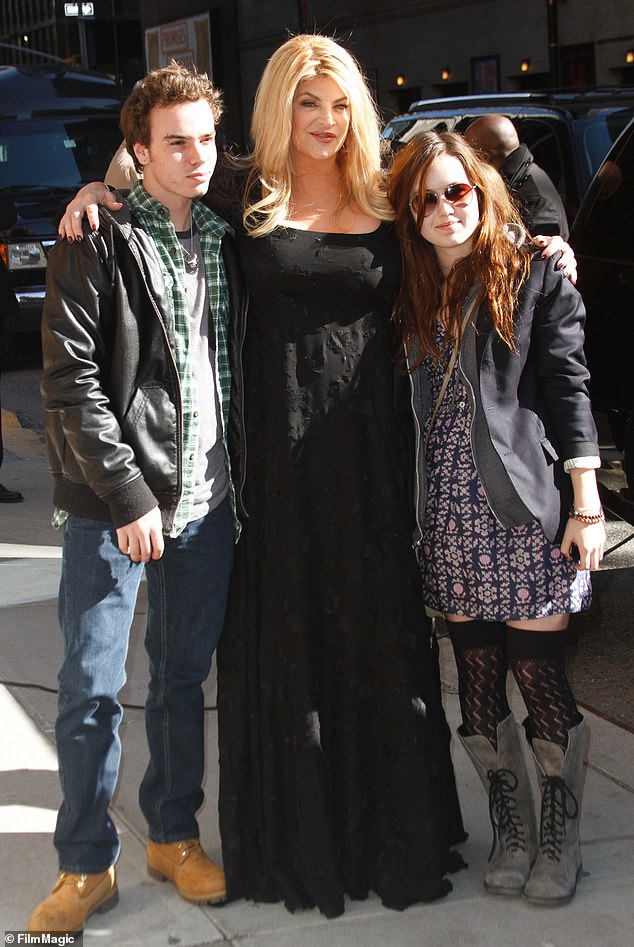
(497, 264)
(270, 163)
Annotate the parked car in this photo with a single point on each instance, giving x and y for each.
(58, 129)
(568, 133)
(603, 240)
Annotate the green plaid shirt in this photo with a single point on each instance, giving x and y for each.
(154, 217)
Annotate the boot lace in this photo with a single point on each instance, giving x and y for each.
(558, 804)
(508, 829)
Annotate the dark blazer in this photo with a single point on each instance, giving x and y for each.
(531, 410)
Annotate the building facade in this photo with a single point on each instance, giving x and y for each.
(26, 26)
(107, 39)
(414, 49)
(409, 49)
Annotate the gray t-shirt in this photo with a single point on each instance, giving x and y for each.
(210, 487)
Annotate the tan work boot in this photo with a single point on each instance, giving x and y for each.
(196, 877)
(73, 899)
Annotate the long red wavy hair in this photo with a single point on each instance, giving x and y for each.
(496, 264)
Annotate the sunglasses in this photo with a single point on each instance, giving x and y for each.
(458, 195)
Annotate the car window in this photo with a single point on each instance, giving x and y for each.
(568, 135)
(597, 134)
(56, 153)
(606, 220)
(401, 131)
(545, 135)
(547, 139)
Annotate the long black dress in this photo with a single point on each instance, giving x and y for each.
(335, 774)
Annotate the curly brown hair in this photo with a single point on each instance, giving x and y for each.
(161, 87)
(496, 264)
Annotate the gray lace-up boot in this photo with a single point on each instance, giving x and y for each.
(505, 778)
(553, 880)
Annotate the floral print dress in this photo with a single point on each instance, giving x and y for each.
(471, 564)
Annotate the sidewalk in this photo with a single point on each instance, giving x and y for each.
(152, 914)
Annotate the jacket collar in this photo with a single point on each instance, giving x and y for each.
(517, 166)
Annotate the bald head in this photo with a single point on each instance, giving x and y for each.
(494, 136)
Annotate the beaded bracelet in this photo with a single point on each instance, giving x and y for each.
(588, 519)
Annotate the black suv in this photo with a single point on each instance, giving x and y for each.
(568, 133)
(603, 240)
(58, 129)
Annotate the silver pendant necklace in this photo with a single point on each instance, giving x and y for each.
(190, 257)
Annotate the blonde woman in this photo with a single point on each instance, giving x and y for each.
(334, 756)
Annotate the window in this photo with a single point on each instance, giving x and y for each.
(56, 153)
(607, 222)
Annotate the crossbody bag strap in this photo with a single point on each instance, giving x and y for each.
(450, 366)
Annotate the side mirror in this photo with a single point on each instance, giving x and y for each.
(8, 215)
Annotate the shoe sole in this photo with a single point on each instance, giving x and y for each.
(550, 902)
(504, 892)
(108, 904)
(554, 902)
(159, 875)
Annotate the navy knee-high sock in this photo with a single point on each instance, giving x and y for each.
(537, 660)
(480, 651)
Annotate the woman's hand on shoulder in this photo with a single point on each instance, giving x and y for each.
(567, 263)
(86, 203)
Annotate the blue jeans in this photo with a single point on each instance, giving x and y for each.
(187, 591)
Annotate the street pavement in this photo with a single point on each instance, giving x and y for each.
(150, 913)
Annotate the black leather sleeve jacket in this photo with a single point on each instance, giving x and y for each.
(110, 384)
(530, 410)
